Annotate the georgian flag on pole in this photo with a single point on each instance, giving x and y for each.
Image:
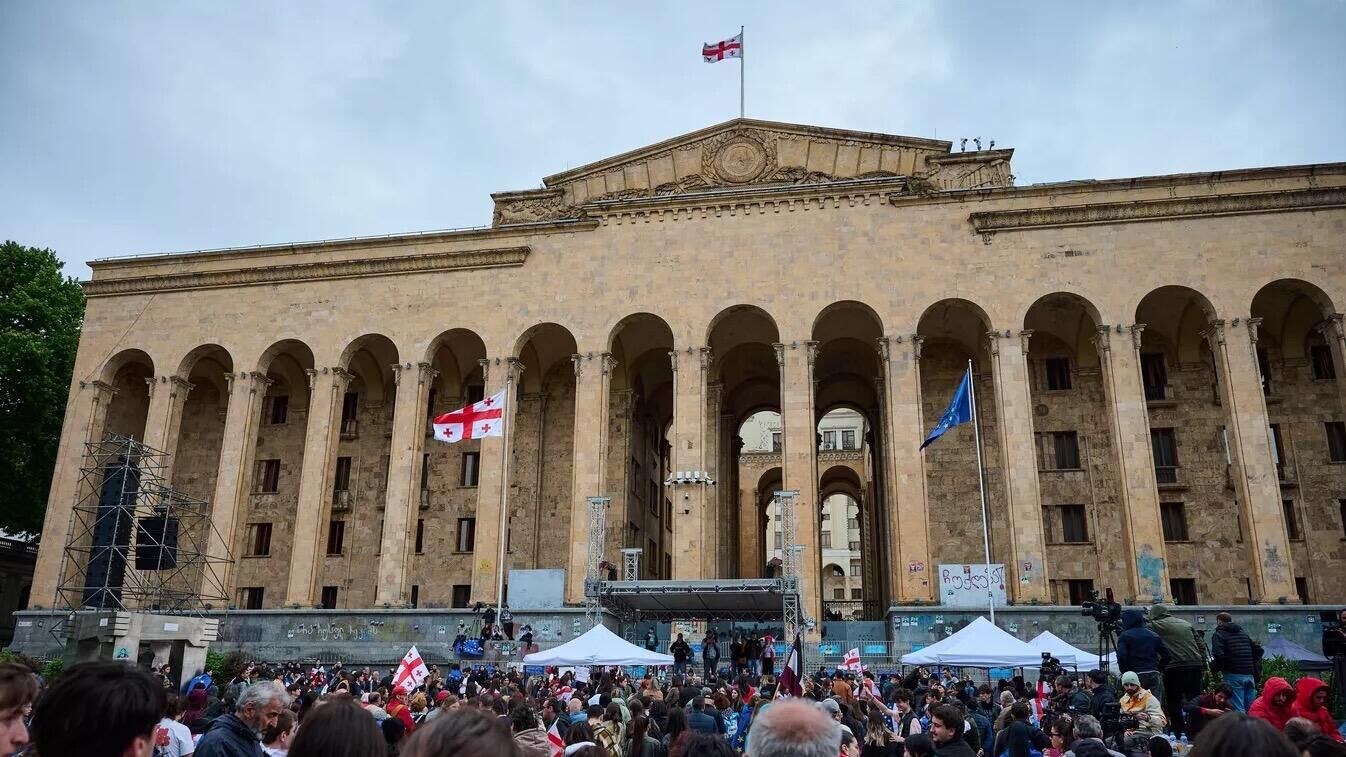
(411, 672)
(485, 418)
(555, 744)
(851, 661)
(713, 52)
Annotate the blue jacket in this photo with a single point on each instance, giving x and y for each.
(704, 721)
(1139, 648)
(229, 737)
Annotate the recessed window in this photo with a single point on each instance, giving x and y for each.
(467, 534)
(1080, 589)
(780, 540)
(341, 482)
(1320, 356)
(277, 409)
(1302, 589)
(1058, 373)
(1164, 445)
(839, 593)
(651, 567)
(1291, 521)
(1341, 511)
(329, 597)
(857, 594)
(1154, 375)
(336, 537)
(461, 594)
(775, 441)
(250, 597)
(1074, 526)
(1264, 370)
(350, 405)
(420, 535)
(415, 596)
(1066, 450)
(475, 393)
(855, 567)
(425, 471)
(852, 546)
(430, 398)
(1174, 518)
(829, 440)
(470, 470)
(1183, 590)
(1336, 441)
(268, 476)
(827, 539)
(259, 539)
(848, 439)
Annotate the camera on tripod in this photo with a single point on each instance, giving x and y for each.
(1050, 668)
(1107, 613)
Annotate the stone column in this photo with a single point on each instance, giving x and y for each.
(712, 515)
(799, 460)
(593, 377)
(85, 421)
(1019, 467)
(163, 419)
(1334, 333)
(493, 489)
(1234, 346)
(691, 546)
(910, 571)
(1129, 419)
(327, 387)
(403, 493)
(751, 556)
(247, 391)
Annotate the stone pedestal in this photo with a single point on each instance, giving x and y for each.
(177, 641)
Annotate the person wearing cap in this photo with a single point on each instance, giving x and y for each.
(1101, 698)
(1144, 705)
(444, 701)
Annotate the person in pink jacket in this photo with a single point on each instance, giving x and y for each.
(1311, 704)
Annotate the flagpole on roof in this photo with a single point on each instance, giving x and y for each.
(981, 487)
(742, 52)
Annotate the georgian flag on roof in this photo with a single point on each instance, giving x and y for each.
(485, 418)
(717, 51)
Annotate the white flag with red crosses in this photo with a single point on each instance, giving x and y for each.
(485, 418)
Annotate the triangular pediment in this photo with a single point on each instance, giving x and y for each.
(747, 154)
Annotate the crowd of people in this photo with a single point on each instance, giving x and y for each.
(718, 710)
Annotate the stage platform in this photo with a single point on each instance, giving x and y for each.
(746, 599)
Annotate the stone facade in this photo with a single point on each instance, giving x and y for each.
(637, 310)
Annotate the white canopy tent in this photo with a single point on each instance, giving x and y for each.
(979, 644)
(1070, 656)
(598, 646)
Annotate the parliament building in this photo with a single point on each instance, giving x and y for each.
(1157, 362)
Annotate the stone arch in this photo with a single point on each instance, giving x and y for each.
(456, 355)
(841, 479)
(1068, 318)
(740, 324)
(127, 373)
(958, 321)
(286, 364)
(847, 318)
(1178, 314)
(1290, 310)
(540, 348)
(370, 358)
(122, 359)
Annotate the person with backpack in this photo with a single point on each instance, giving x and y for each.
(1236, 656)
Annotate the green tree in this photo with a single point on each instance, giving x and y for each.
(40, 315)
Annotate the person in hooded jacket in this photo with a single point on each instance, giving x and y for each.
(1311, 704)
(1182, 677)
(1274, 704)
(1236, 656)
(1142, 651)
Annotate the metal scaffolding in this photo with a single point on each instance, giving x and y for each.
(134, 543)
(598, 523)
(631, 563)
(791, 609)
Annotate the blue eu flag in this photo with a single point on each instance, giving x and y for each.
(960, 410)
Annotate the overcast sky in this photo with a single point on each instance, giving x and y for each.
(140, 127)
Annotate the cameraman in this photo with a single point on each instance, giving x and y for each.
(1142, 651)
(1101, 698)
(1066, 699)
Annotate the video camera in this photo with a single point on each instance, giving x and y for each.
(1107, 613)
(1050, 668)
(1115, 722)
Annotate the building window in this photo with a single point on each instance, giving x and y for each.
(1336, 441)
(852, 546)
(1302, 589)
(635, 476)
(461, 593)
(654, 499)
(855, 567)
(780, 540)
(420, 535)
(1080, 589)
(349, 406)
(415, 596)
(839, 593)
(775, 441)
(848, 439)
(1341, 510)
(1058, 374)
(342, 480)
(853, 523)
(1183, 590)
(1264, 370)
(336, 537)
(467, 534)
(250, 598)
(475, 393)
(1320, 355)
(277, 409)
(425, 473)
(651, 567)
(1074, 527)
(1278, 451)
(430, 397)
(259, 539)
(1065, 450)
(829, 440)
(471, 468)
(857, 594)
(1174, 517)
(268, 476)
(826, 515)
(1164, 445)
(1291, 522)
(827, 539)
(1154, 375)
(668, 514)
(668, 565)
(329, 597)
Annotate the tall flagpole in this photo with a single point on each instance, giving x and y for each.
(981, 486)
(742, 61)
(504, 491)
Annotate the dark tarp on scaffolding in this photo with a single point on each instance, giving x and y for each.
(747, 599)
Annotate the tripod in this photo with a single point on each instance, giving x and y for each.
(1107, 643)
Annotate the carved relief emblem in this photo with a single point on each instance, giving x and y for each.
(738, 157)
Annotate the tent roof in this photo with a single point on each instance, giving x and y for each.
(1068, 654)
(979, 644)
(1307, 659)
(598, 646)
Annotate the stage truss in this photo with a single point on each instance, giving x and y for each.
(125, 514)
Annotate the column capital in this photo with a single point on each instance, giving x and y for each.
(1333, 325)
(706, 358)
(485, 364)
(1214, 333)
(882, 345)
(176, 384)
(916, 341)
(514, 368)
(1254, 323)
(1024, 336)
(1102, 339)
(993, 338)
(811, 351)
(1136, 330)
(100, 387)
(779, 349)
(426, 373)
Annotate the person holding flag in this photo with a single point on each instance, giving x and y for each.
(791, 682)
(411, 673)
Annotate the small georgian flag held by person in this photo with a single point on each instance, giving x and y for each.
(480, 419)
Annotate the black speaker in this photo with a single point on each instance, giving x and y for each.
(111, 535)
(156, 543)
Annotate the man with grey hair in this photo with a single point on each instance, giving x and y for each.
(1089, 739)
(239, 733)
(793, 728)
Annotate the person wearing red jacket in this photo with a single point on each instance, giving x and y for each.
(1311, 704)
(397, 708)
(1274, 704)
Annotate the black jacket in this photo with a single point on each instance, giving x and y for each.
(704, 721)
(1100, 699)
(1139, 648)
(229, 737)
(1233, 651)
(681, 651)
(956, 748)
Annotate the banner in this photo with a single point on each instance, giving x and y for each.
(965, 585)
